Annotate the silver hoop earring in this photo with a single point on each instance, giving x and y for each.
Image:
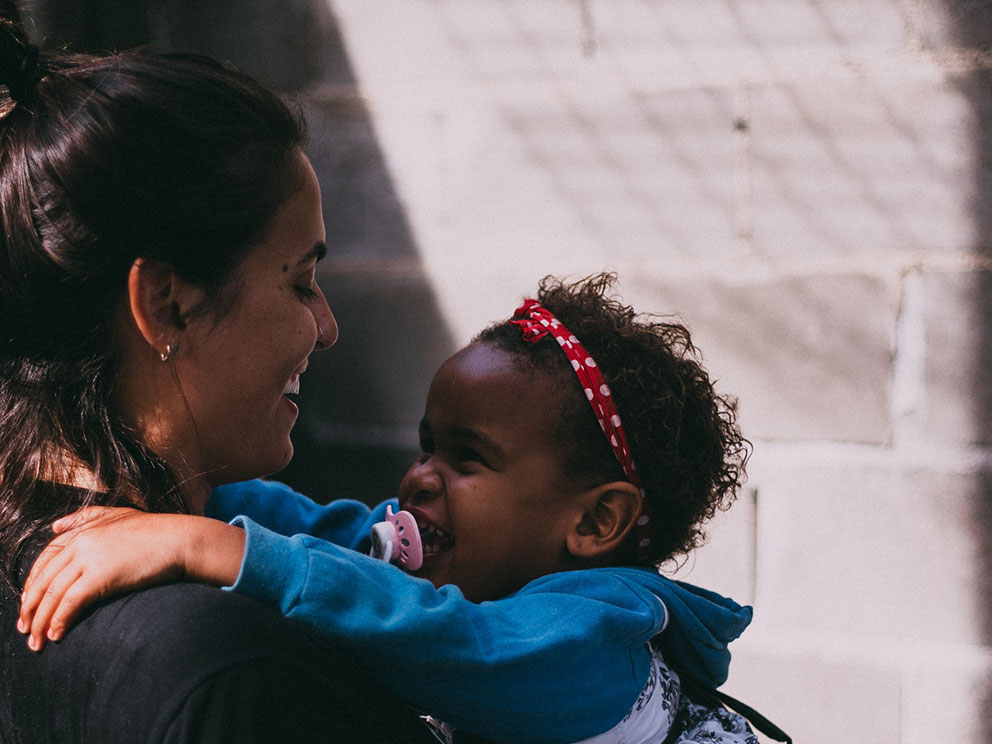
(169, 351)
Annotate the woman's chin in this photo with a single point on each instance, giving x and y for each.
(262, 463)
(281, 459)
(289, 409)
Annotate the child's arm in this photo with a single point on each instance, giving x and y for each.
(562, 660)
(279, 508)
(73, 573)
(550, 664)
(99, 552)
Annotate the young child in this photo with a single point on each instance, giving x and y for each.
(538, 613)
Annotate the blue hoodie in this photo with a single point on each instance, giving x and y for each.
(562, 659)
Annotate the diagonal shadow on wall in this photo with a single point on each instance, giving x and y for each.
(361, 401)
(972, 28)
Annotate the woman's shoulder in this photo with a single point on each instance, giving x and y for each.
(186, 662)
(187, 627)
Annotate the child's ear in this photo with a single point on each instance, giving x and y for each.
(610, 512)
(159, 301)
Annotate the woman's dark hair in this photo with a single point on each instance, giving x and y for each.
(684, 437)
(105, 159)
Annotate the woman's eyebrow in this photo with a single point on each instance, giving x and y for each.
(318, 252)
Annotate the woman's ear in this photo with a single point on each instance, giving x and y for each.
(159, 301)
(609, 514)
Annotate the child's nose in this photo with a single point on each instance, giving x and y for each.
(422, 481)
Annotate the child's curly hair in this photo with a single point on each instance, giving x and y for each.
(684, 438)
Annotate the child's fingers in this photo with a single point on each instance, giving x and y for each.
(49, 603)
(50, 564)
(63, 557)
(41, 564)
(79, 594)
(52, 561)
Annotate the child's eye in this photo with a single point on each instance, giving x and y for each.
(471, 456)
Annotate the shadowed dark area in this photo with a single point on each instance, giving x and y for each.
(972, 27)
(362, 400)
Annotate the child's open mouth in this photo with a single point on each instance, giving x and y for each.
(434, 539)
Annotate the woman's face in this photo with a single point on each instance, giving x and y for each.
(238, 372)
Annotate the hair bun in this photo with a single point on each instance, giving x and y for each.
(20, 69)
(30, 74)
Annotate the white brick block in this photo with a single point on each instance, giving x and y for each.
(958, 310)
(871, 551)
(864, 165)
(946, 705)
(809, 357)
(725, 563)
(820, 701)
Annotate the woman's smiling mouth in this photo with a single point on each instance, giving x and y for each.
(293, 386)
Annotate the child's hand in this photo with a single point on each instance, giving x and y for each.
(97, 552)
(100, 551)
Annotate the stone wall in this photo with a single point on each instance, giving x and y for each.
(807, 184)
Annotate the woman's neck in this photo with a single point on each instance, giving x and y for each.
(67, 470)
(197, 491)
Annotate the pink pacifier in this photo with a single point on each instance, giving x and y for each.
(397, 540)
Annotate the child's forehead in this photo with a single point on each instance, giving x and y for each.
(482, 358)
(484, 369)
(488, 361)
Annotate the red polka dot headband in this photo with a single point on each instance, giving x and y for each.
(536, 321)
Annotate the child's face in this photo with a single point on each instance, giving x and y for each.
(489, 477)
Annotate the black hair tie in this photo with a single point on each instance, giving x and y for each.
(29, 74)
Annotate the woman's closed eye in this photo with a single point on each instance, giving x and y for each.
(426, 446)
(306, 292)
(305, 285)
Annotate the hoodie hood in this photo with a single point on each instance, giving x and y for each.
(699, 626)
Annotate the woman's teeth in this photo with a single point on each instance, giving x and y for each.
(435, 540)
(293, 388)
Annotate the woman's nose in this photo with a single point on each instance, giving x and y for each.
(327, 326)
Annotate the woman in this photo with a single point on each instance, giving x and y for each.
(160, 231)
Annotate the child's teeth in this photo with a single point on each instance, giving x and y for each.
(293, 388)
(434, 540)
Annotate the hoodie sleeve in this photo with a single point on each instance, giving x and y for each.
(279, 508)
(564, 659)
